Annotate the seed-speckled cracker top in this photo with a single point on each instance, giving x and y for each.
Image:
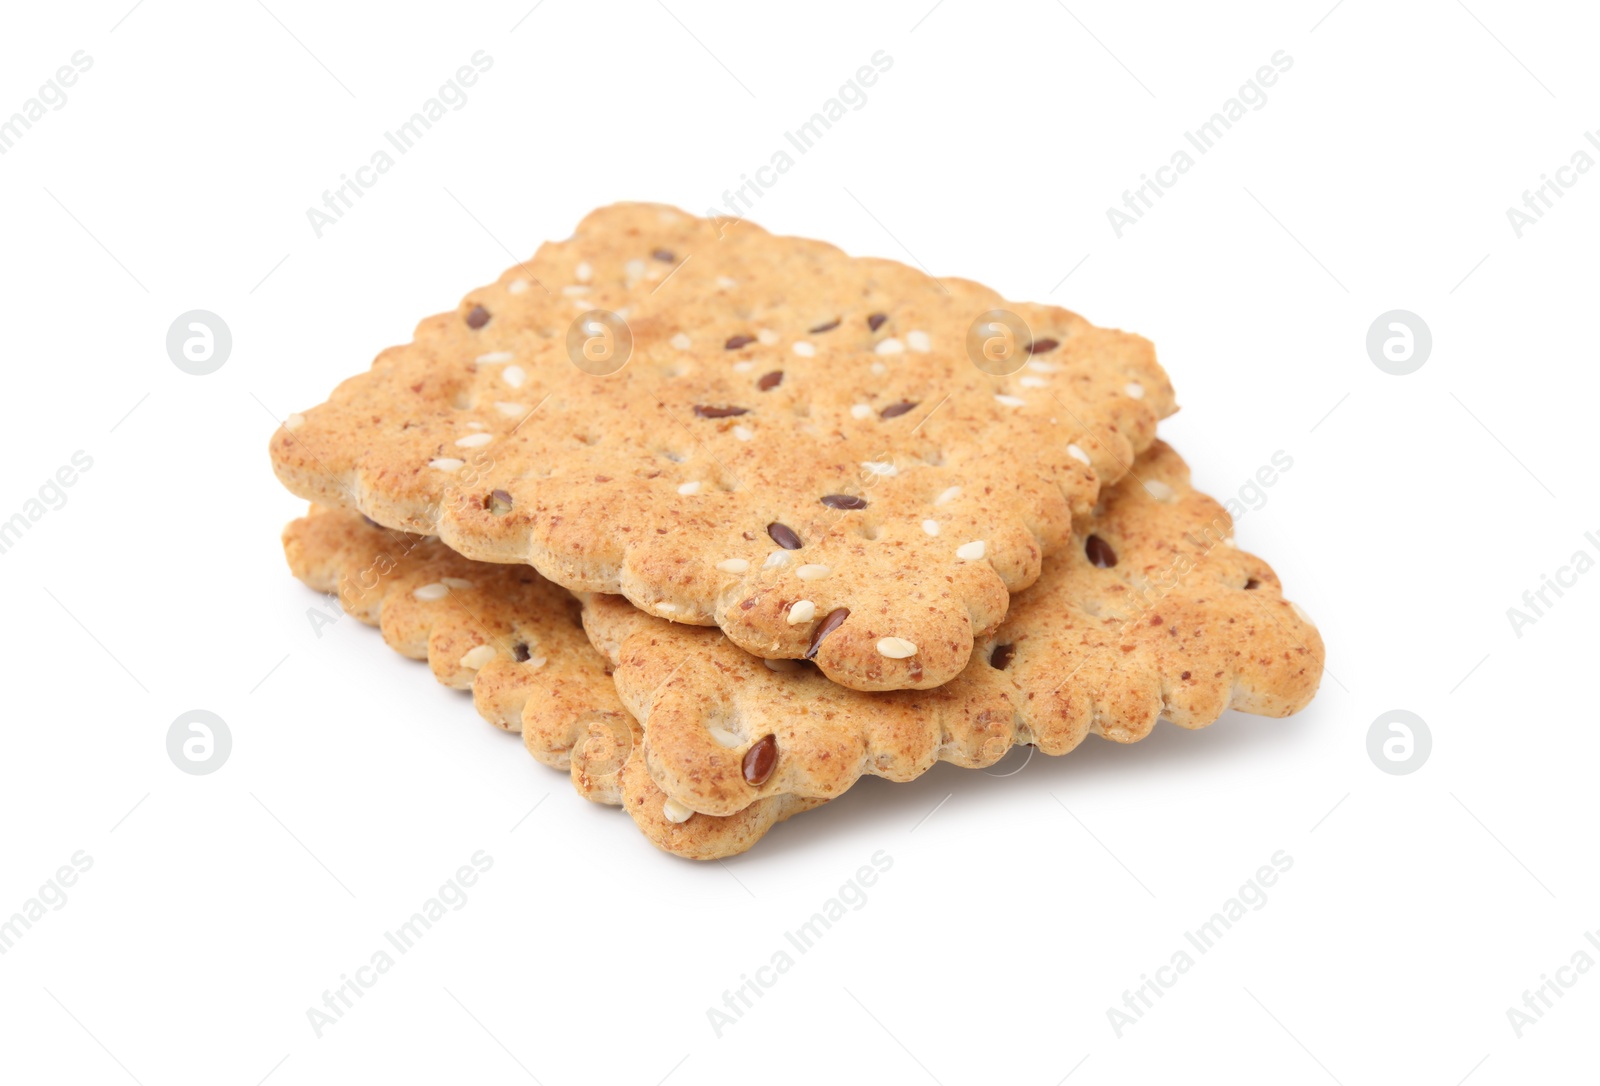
(1154, 615)
(791, 424)
(512, 638)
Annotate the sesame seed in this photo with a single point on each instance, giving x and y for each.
(1159, 490)
(513, 376)
(724, 283)
(517, 286)
(1134, 389)
(918, 341)
(574, 290)
(1039, 365)
(477, 426)
(495, 356)
(1077, 454)
(1009, 401)
(861, 411)
(782, 665)
(733, 565)
(430, 592)
(455, 582)
(970, 552)
(473, 441)
(680, 341)
(294, 422)
(744, 367)
(510, 410)
(896, 648)
(687, 489)
(931, 527)
(880, 467)
(673, 811)
(537, 661)
(948, 496)
(890, 346)
(634, 269)
(1032, 382)
(743, 433)
(775, 559)
(583, 273)
(804, 349)
(767, 337)
(447, 463)
(478, 657)
(801, 611)
(724, 737)
(814, 571)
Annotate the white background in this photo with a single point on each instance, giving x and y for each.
(1419, 509)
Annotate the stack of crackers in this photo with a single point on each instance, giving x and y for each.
(721, 522)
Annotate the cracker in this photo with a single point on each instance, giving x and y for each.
(565, 707)
(1182, 626)
(777, 394)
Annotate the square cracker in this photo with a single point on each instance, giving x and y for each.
(513, 639)
(1155, 615)
(787, 423)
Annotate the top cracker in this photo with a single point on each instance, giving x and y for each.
(716, 423)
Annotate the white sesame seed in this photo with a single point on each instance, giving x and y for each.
(667, 608)
(476, 658)
(931, 527)
(513, 376)
(1134, 389)
(767, 337)
(918, 341)
(1077, 454)
(673, 811)
(583, 273)
(1009, 401)
(634, 269)
(517, 286)
(455, 582)
(861, 411)
(804, 349)
(574, 290)
(724, 283)
(896, 648)
(473, 441)
(680, 341)
(477, 426)
(430, 592)
(1032, 382)
(801, 611)
(743, 433)
(447, 463)
(733, 565)
(880, 467)
(1039, 365)
(879, 369)
(744, 367)
(724, 737)
(970, 552)
(775, 559)
(890, 346)
(783, 666)
(814, 571)
(535, 661)
(294, 421)
(687, 489)
(949, 495)
(510, 410)
(1229, 542)
(495, 356)
(1160, 491)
